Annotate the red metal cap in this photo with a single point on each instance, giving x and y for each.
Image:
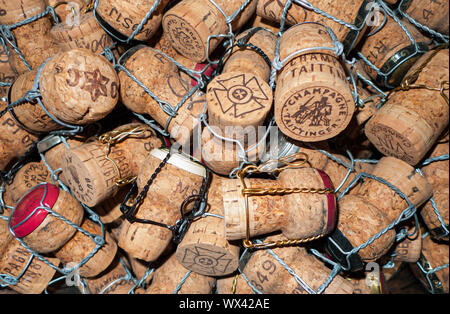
(28, 213)
(332, 212)
(208, 72)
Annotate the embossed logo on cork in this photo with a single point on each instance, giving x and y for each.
(206, 260)
(239, 95)
(183, 37)
(315, 112)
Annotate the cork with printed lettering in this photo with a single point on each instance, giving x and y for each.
(392, 55)
(191, 22)
(113, 280)
(79, 87)
(86, 33)
(33, 39)
(430, 13)
(404, 127)
(409, 249)
(267, 275)
(92, 173)
(28, 176)
(36, 275)
(313, 101)
(123, 17)
(54, 156)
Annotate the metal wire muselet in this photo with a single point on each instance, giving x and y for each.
(296, 160)
(408, 81)
(115, 136)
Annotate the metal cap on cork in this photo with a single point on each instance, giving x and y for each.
(331, 198)
(31, 209)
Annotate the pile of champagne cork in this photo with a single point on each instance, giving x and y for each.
(224, 147)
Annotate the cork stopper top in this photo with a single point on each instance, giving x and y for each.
(239, 99)
(79, 87)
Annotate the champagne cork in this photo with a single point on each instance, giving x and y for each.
(94, 174)
(298, 216)
(430, 13)
(410, 248)
(224, 156)
(403, 127)
(240, 96)
(80, 246)
(46, 233)
(313, 101)
(165, 82)
(32, 39)
(67, 11)
(204, 248)
(28, 176)
(53, 147)
(376, 206)
(358, 222)
(87, 34)
(36, 275)
(267, 275)
(354, 12)
(30, 115)
(402, 176)
(114, 280)
(434, 254)
(177, 180)
(41, 231)
(191, 22)
(76, 87)
(163, 44)
(170, 274)
(123, 17)
(392, 52)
